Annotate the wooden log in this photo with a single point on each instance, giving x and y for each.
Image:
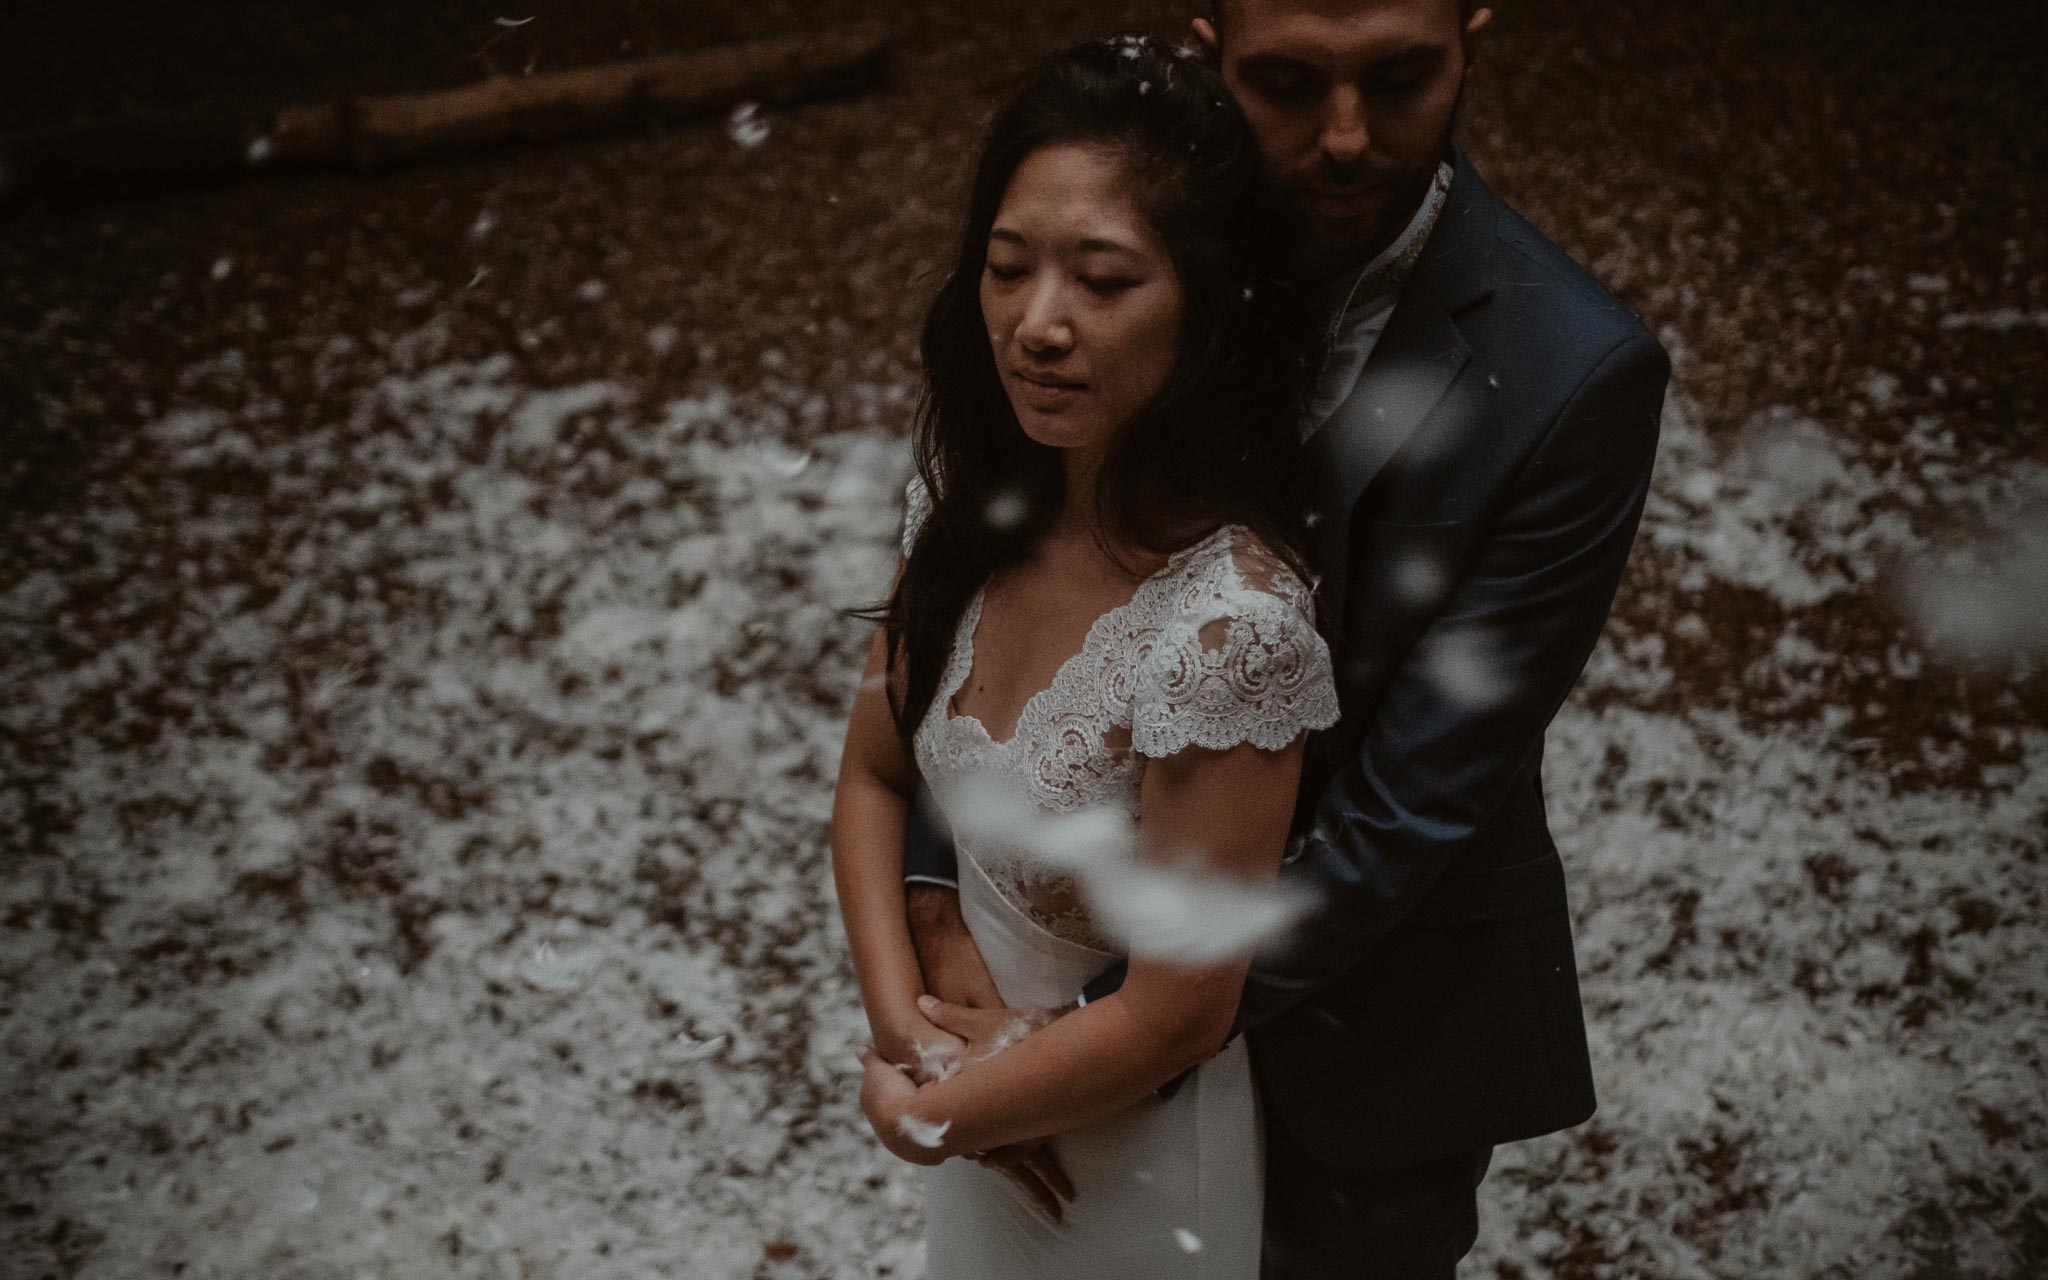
(373, 133)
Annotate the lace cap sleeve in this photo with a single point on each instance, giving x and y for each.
(917, 507)
(1238, 661)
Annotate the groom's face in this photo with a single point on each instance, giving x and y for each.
(1353, 103)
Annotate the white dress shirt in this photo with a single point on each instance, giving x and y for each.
(1359, 303)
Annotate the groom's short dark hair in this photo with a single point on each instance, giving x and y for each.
(1213, 10)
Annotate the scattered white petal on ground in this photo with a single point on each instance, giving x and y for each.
(2002, 320)
(1882, 388)
(470, 851)
(553, 970)
(691, 1049)
(1188, 1241)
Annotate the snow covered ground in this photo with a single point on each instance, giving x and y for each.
(425, 868)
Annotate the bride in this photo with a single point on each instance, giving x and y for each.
(1102, 611)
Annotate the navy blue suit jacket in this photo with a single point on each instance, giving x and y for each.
(1476, 497)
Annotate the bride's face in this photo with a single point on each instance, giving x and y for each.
(1082, 302)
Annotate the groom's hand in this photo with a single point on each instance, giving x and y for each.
(953, 968)
(886, 1095)
(986, 1032)
(1031, 1165)
(914, 1044)
(1037, 1173)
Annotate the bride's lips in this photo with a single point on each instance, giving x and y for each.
(1044, 392)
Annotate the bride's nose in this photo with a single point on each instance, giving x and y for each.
(1045, 328)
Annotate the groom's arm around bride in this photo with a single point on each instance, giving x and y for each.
(1465, 592)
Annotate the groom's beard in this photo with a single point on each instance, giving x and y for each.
(1330, 251)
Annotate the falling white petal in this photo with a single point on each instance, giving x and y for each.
(745, 126)
(924, 1133)
(1006, 511)
(936, 1061)
(1189, 917)
(1467, 669)
(1982, 601)
(1418, 577)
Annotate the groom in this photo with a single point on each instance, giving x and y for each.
(1483, 434)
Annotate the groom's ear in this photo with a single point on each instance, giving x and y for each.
(1475, 22)
(1207, 42)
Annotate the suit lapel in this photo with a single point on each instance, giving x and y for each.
(1413, 366)
(1417, 359)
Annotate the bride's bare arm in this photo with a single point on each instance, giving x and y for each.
(876, 780)
(1226, 812)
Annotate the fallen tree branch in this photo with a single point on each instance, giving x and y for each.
(372, 133)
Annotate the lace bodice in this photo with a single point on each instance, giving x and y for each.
(1216, 649)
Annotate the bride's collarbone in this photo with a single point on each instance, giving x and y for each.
(1033, 619)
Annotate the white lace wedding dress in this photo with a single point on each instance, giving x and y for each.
(1216, 649)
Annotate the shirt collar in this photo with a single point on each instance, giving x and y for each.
(1383, 276)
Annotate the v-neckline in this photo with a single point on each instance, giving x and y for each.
(970, 622)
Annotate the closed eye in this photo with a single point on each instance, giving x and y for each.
(1404, 75)
(1107, 288)
(1283, 87)
(1280, 79)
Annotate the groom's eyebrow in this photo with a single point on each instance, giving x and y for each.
(1415, 57)
(1420, 58)
(1275, 62)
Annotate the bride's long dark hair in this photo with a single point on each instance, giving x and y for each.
(1220, 443)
